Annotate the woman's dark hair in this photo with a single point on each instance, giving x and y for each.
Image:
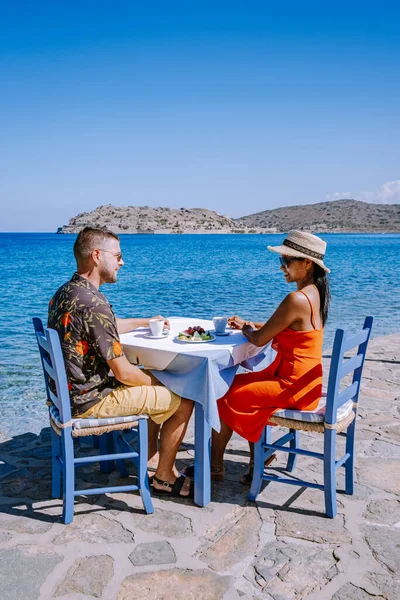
(322, 283)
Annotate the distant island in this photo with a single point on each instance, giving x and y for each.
(338, 216)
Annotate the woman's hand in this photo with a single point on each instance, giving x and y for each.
(248, 326)
(248, 329)
(236, 322)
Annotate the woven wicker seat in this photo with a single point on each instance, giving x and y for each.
(88, 431)
(86, 427)
(342, 425)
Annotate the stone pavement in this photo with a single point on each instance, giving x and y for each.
(280, 548)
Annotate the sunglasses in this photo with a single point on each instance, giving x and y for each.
(118, 255)
(286, 262)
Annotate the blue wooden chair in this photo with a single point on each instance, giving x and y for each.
(337, 417)
(64, 429)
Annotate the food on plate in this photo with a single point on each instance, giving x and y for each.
(195, 334)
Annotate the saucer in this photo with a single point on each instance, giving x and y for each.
(223, 333)
(156, 337)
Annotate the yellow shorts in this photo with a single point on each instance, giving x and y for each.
(154, 400)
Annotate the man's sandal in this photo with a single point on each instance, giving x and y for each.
(174, 489)
(217, 473)
(248, 477)
(151, 470)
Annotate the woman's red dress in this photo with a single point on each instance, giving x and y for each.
(293, 380)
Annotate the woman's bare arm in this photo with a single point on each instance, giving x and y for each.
(290, 310)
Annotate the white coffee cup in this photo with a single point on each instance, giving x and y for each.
(156, 326)
(220, 324)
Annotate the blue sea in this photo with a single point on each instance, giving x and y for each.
(189, 275)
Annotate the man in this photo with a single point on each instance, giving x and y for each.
(89, 335)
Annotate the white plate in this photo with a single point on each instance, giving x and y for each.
(195, 341)
(156, 337)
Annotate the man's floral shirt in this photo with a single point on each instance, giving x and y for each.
(87, 329)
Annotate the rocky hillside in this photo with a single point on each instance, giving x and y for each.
(334, 216)
(339, 215)
(144, 219)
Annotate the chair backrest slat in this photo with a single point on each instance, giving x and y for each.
(350, 365)
(342, 367)
(53, 398)
(53, 368)
(356, 339)
(43, 343)
(48, 368)
(347, 394)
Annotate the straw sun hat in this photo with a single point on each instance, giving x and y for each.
(303, 245)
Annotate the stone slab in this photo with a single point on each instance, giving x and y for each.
(22, 524)
(41, 453)
(23, 570)
(94, 529)
(383, 512)
(87, 576)
(5, 536)
(392, 432)
(153, 553)
(385, 449)
(314, 528)
(34, 483)
(388, 586)
(366, 435)
(163, 522)
(380, 474)
(353, 592)
(385, 546)
(229, 491)
(289, 571)
(176, 584)
(233, 545)
(19, 444)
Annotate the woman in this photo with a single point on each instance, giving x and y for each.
(294, 379)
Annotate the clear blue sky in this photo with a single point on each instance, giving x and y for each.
(233, 106)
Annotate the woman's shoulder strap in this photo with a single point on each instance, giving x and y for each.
(311, 307)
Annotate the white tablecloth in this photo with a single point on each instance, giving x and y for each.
(202, 372)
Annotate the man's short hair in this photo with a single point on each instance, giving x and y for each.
(89, 239)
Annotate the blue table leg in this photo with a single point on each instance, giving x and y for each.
(202, 457)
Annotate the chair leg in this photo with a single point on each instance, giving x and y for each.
(268, 434)
(330, 473)
(106, 445)
(349, 465)
(55, 465)
(123, 471)
(258, 464)
(268, 440)
(294, 443)
(142, 471)
(68, 475)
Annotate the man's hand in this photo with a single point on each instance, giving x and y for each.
(126, 325)
(166, 322)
